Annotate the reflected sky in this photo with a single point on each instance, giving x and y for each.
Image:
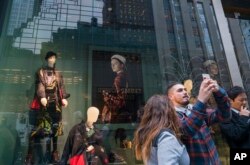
(56, 14)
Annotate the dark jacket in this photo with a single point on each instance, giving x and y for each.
(78, 141)
(52, 87)
(237, 131)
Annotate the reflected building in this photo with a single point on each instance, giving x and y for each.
(133, 18)
(166, 40)
(245, 28)
(187, 36)
(3, 15)
(187, 32)
(21, 11)
(242, 48)
(55, 14)
(238, 15)
(128, 13)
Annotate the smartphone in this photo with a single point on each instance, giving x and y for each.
(205, 76)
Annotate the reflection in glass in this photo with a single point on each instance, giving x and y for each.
(47, 16)
(206, 36)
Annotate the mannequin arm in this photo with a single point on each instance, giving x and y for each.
(90, 148)
(64, 102)
(44, 101)
(40, 87)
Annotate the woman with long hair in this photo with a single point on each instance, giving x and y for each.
(157, 138)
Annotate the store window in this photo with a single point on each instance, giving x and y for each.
(112, 55)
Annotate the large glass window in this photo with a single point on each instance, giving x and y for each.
(153, 43)
(206, 34)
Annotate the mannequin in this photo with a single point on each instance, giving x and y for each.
(51, 95)
(114, 102)
(85, 140)
(51, 61)
(212, 69)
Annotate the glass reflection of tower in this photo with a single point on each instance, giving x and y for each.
(187, 36)
(21, 11)
(245, 27)
(129, 12)
(3, 12)
(55, 14)
(242, 48)
(134, 19)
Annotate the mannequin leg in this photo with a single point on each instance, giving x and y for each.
(29, 157)
(48, 149)
(33, 119)
(55, 153)
(56, 118)
(54, 140)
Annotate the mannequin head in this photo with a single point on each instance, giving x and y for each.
(51, 58)
(92, 116)
(118, 63)
(211, 67)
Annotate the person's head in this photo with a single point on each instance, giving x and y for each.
(92, 116)
(211, 67)
(118, 63)
(158, 114)
(238, 97)
(178, 94)
(51, 58)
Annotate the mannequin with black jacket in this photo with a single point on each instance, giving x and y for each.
(85, 139)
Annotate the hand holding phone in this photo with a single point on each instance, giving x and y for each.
(206, 76)
(211, 82)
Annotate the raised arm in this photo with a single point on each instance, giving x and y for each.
(223, 111)
(196, 116)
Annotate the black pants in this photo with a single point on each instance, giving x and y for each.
(46, 123)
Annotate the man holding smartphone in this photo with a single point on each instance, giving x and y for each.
(196, 119)
(237, 130)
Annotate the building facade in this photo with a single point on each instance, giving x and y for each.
(162, 41)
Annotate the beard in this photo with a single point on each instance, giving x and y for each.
(184, 102)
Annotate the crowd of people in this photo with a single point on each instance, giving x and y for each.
(162, 138)
(171, 130)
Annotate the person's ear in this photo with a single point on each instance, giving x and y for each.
(170, 97)
(231, 101)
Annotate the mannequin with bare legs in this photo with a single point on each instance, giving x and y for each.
(84, 142)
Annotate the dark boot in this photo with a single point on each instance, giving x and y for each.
(55, 157)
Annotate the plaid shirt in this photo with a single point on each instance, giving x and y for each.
(195, 121)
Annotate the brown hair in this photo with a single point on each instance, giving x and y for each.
(158, 114)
